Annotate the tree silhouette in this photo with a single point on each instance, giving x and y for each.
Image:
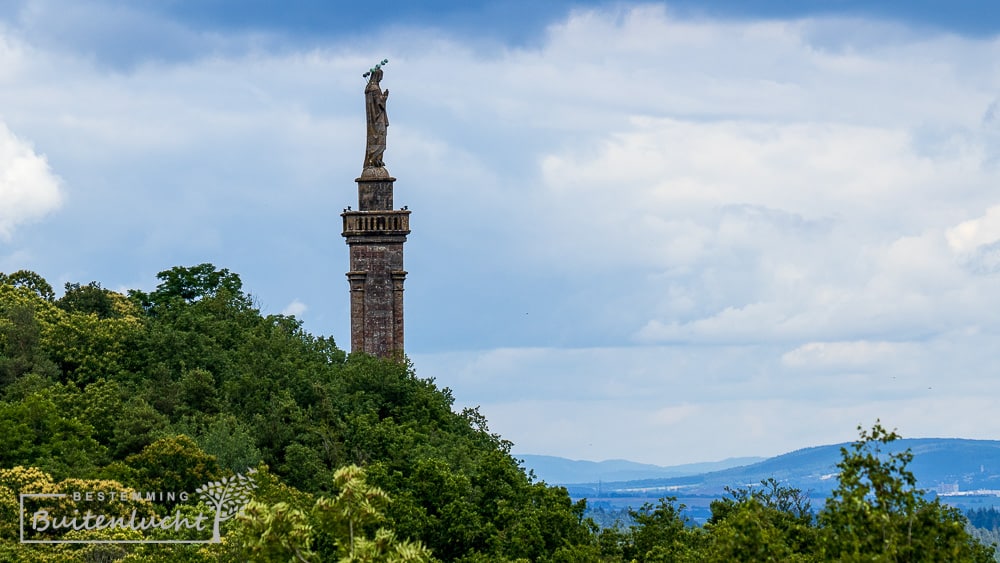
(227, 497)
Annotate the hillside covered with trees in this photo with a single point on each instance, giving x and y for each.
(190, 388)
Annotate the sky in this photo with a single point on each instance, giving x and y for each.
(665, 232)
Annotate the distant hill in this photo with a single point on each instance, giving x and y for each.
(562, 471)
(966, 473)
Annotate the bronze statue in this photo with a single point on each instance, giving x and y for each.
(378, 121)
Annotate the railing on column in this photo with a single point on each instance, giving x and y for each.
(376, 222)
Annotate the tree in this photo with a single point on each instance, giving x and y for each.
(192, 284)
(753, 531)
(174, 463)
(230, 441)
(769, 522)
(13, 482)
(275, 532)
(87, 347)
(770, 494)
(31, 281)
(35, 431)
(21, 333)
(336, 529)
(877, 513)
(358, 504)
(660, 532)
(90, 298)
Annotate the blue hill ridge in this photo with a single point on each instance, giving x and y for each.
(963, 472)
(562, 471)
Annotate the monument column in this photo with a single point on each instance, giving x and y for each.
(375, 234)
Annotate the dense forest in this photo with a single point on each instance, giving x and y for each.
(342, 457)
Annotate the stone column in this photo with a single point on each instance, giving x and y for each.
(398, 277)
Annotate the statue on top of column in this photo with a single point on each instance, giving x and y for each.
(378, 121)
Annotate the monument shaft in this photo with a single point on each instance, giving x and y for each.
(375, 234)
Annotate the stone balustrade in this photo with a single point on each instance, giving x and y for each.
(376, 222)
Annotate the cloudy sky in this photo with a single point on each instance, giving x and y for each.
(665, 232)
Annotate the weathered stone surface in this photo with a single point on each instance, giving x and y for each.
(378, 120)
(375, 234)
(376, 281)
(375, 173)
(375, 194)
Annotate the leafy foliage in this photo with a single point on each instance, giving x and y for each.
(30, 281)
(175, 463)
(766, 523)
(878, 514)
(188, 386)
(875, 514)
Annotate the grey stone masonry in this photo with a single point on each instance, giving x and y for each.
(375, 234)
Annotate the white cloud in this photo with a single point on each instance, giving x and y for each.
(296, 308)
(823, 230)
(671, 416)
(971, 234)
(679, 404)
(847, 355)
(28, 188)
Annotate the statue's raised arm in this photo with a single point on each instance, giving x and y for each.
(378, 121)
